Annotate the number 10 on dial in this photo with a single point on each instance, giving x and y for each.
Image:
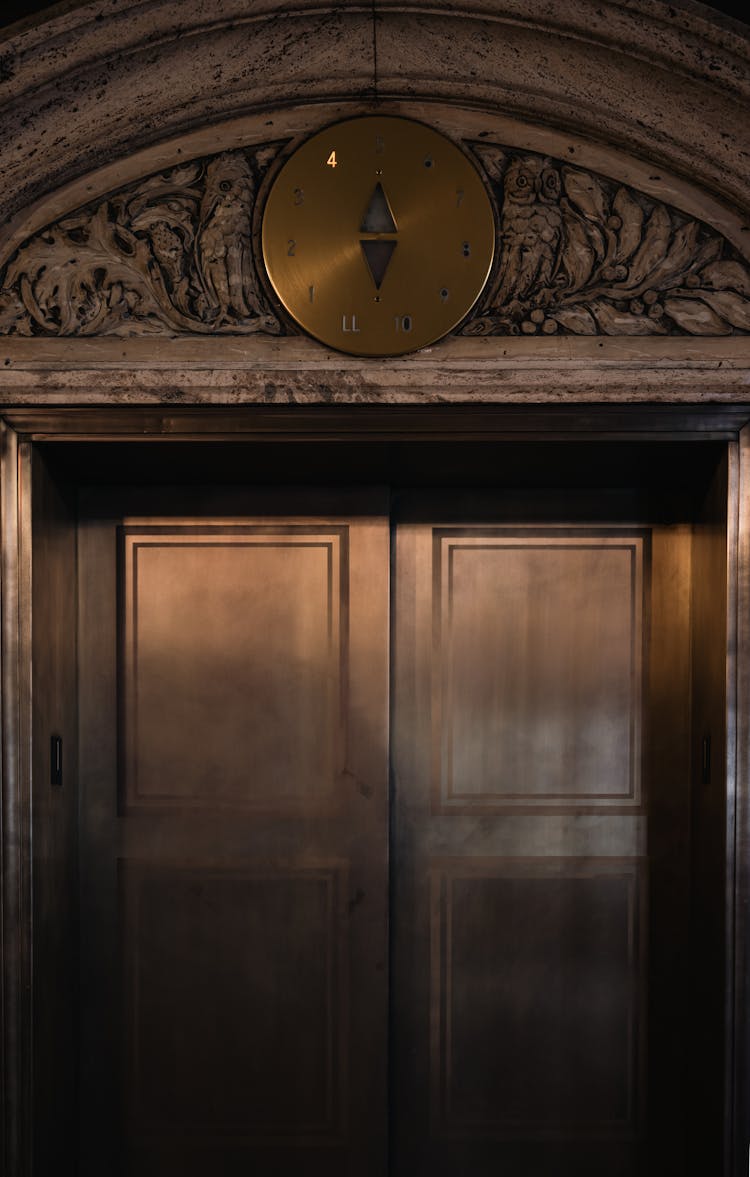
(378, 235)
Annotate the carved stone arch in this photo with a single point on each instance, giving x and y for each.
(636, 107)
(95, 82)
(610, 247)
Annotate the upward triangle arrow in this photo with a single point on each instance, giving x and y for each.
(378, 218)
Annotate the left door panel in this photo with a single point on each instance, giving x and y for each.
(233, 665)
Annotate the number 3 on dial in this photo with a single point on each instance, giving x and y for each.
(393, 243)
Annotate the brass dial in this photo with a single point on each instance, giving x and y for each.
(378, 235)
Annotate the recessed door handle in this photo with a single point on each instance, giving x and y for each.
(706, 760)
(56, 762)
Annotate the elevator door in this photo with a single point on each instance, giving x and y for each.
(540, 748)
(241, 883)
(233, 670)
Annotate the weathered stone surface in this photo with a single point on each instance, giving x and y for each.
(254, 369)
(94, 83)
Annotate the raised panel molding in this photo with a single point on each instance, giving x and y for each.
(243, 629)
(578, 254)
(538, 653)
(538, 998)
(264, 1061)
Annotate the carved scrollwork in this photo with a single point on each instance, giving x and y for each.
(174, 252)
(583, 255)
(578, 254)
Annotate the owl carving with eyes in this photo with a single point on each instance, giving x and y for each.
(531, 224)
(224, 241)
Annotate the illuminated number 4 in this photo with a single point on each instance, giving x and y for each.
(331, 161)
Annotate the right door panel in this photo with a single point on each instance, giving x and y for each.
(524, 668)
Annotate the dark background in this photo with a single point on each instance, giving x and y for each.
(13, 10)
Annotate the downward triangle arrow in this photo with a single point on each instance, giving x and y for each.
(378, 255)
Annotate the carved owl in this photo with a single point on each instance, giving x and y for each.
(224, 240)
(530, 231)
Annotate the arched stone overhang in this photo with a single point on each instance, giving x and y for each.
(646, 97)
(97, 81)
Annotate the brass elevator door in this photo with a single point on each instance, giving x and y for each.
(541, 795)
(319, 939)
(234, 703)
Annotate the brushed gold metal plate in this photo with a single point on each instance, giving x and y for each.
(378, 236)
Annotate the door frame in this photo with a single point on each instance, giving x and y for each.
(21, 428)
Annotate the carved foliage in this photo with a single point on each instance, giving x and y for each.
(577, 254)
(174, 252)
(584, 255)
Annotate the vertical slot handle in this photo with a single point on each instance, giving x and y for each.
(56, 761)
(706, 760)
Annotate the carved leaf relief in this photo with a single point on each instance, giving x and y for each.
(172, 253)
(578, 254)
(583, 255)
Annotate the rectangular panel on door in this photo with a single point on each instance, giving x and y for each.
(536, 997)
(243, 630)
(265, 1057)
(537, 670)
(520, 880)
(234, 837)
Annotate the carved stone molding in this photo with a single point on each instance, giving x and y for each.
(176, 253)
(173, 253)
(584, 255)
